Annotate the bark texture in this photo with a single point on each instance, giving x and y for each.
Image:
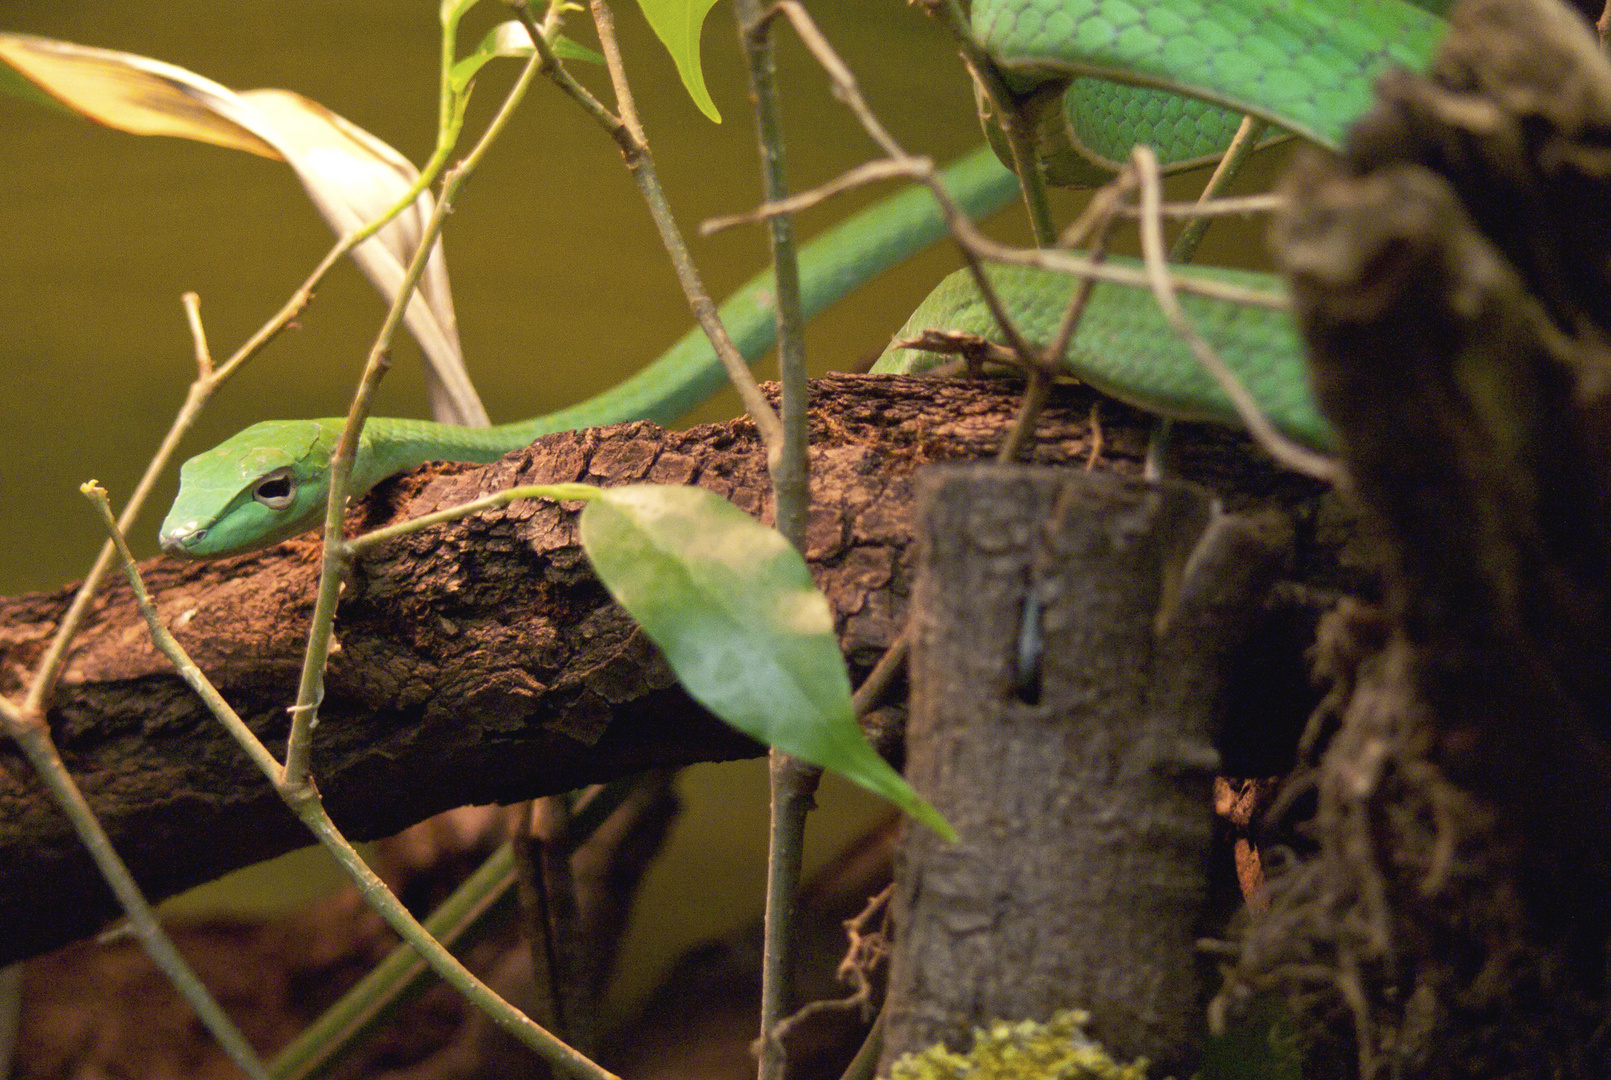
(1449, 911)
(481, 661)
(1070, 633)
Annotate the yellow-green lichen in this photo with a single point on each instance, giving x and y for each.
(1058, 1049)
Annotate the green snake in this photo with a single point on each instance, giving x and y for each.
(1304, 65)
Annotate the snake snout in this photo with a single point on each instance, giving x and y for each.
(178, 541)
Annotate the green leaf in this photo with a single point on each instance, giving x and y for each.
(512, 39)
(451, 11)
(566, 49)
(677, 24)
(733, 608)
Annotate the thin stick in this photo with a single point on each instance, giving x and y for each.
(640, 165)
(919, 168)
(207, 383)
(1031, 181)
(558, 492)
(871, 691)
(34, 740)
(337, 556)
(1097, 222)
(788, 465)
(977, 246)
(871, 172)
(1219, 206)
(1037, 391)
(198, 333)
(865, 1063)
(460, 915)
(363, 1007)
(32, 735)
(868, 172)
(793, 782)
(1243, 143)
(1277, 445)
(304, 801)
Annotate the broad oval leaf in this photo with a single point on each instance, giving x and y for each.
(733, 608)
(677, 23)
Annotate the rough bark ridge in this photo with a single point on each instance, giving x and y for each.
(1069, 637)
(481, 661)
(1452, 272)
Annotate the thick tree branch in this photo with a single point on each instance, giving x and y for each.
(482, 662)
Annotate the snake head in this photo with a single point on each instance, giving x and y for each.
(263, 485)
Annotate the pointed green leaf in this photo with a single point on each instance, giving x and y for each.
(512, 39)
(566, 49)
(677, 23)
(733, 608)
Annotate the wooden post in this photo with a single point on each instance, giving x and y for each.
(1069, 630)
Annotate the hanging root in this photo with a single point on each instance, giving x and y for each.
(1441, 902)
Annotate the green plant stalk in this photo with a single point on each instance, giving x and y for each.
(336, 554)
(304, 801)
(368, 1003)
(1030, 179)
(557, 492)
(32, 735)
(791, 481)
(564, 1059)
(792, 782)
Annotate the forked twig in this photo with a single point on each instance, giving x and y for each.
(918, 168)
(977, 247)
(305, 802)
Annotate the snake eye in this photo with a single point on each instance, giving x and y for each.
(275, 490)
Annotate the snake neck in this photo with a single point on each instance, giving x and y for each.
(392, 445)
